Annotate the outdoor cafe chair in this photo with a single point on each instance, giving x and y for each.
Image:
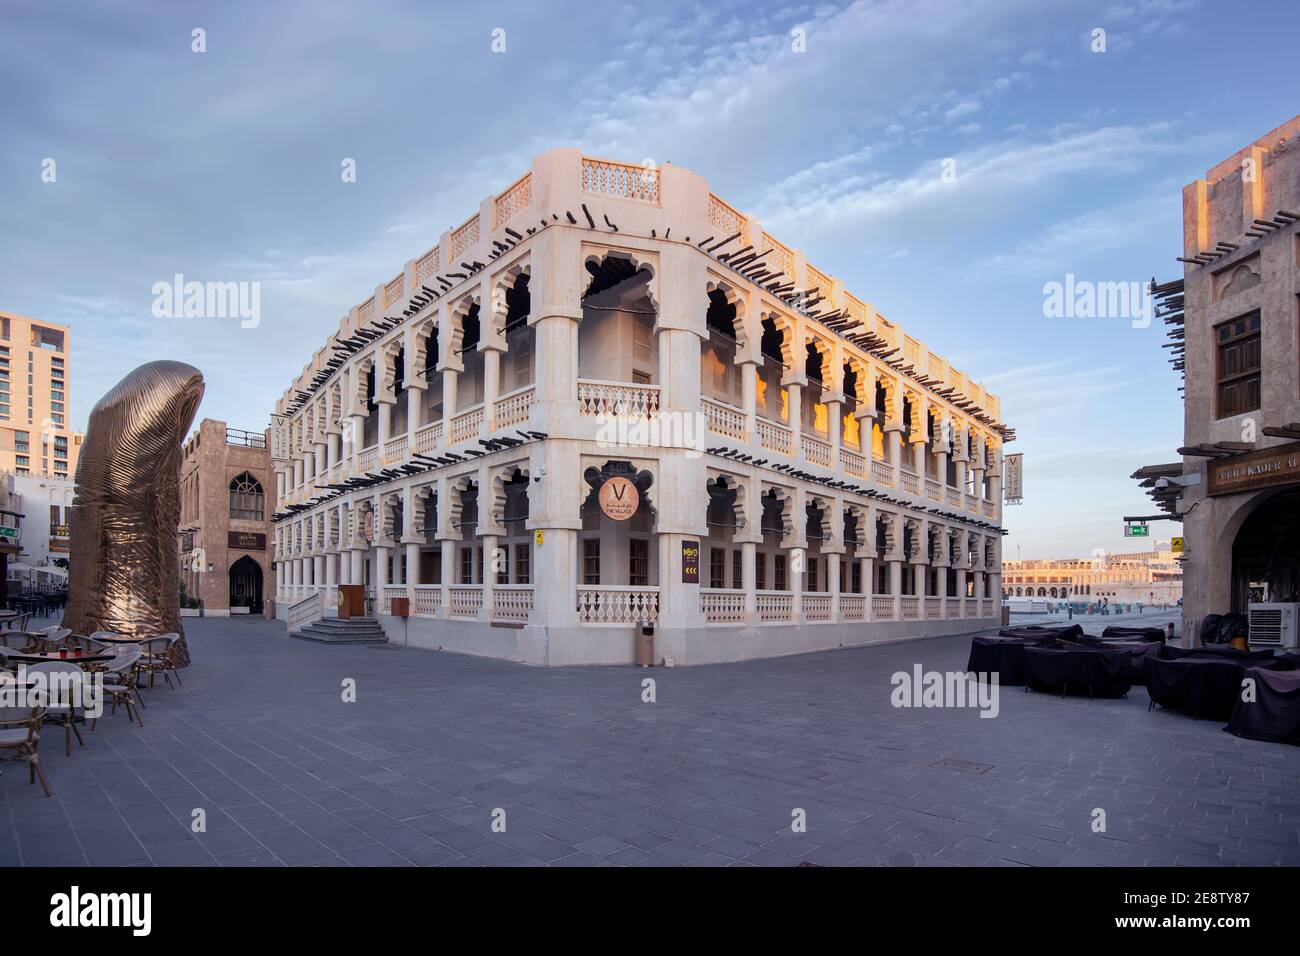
(92, 645)
(18, 623)
(60, 709)
(17, 640)
(119, 691)
(20, 733)
(157, 657)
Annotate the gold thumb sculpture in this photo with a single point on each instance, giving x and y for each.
(125, 563)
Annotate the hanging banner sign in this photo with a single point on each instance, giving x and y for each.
(1013, 478)
(279, 438)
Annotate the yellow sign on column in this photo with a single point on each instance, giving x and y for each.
(1176, 545)
(537, 537)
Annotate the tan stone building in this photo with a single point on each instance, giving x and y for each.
(1235, 325)
(609, 399)
(35, 398)
(225, 520)
(1141, 577)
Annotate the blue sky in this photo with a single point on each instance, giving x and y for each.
(225, 166)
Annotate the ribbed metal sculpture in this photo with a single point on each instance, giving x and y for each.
(125, 564)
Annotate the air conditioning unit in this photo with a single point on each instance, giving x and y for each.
(1275, 625)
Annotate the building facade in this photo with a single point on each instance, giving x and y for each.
(11, 528)
(609, 399)
(1235, 318)
(1142, 577)
(47, 514)
(35, 382)
(225, 524)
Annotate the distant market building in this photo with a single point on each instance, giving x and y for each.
(1233, 332)
(225, 522)
(1142, 577)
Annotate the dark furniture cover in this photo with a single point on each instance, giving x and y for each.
(1065, 632)
(1274, 714)
(1138, 650)
(1219, 651)
(1136, 633)
(1100, 671)
(1004, 656)
(1205, 686)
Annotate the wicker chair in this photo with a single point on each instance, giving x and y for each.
(20, 733)
(18, 640)
(119, 691)
(158, 657)
(61, 708)
(18, 623)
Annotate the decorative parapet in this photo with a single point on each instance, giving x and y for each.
(621, 180)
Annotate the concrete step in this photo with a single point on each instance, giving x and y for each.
(356, 630)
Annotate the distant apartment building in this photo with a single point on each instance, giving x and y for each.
(226, 520)
(1234, 320)
(35, 377)
(1143, 577)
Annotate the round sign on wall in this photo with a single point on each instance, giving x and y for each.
(618, 498)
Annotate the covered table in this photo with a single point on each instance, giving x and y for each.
(1139, 651)
(1064, 632)
(1274, 714)
(1204, 685)
(1135, 633)
(1104, 671)
(1004, 656)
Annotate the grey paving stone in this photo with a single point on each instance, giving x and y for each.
(288, 773)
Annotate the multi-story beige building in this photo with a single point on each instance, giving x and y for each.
(225, 523)
(1142, 577)
(609, 399)
(1234, 320)
(35, 377)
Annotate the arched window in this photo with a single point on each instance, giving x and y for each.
(246, 498)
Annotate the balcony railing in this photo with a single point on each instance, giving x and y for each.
(990, 509)
(952, 607)
(933, 608)
(933, 490)
(910, 605)
(512, 602)
(882, 473)
(882, 608)
(620, 399)
(852, 607)
(387, 594)
(428, 438)
(970, 607)
(725, 419)
(774, 437)
(953, 497)
(911, 483)
(722, 606)
(395, 449)
(617, 604)
(816, 606)
(512, 409)
(368, 458)
(816, 451)
(466, 600)
(775, 606)
(428, 600)
(854, 464)
(465, 426)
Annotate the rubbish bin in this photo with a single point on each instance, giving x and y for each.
(645, 645)
(1006, 615)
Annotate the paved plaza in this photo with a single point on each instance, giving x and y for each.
(260, 739)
